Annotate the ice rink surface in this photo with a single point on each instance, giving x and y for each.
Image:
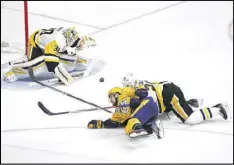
(188, 43)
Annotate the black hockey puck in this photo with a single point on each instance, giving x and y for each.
(101, 79)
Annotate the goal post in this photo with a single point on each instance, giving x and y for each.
(26, 25)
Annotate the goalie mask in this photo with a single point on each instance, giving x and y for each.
(71, 35)
(129, 80)
(114, 94)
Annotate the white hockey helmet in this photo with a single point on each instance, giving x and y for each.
(71, 35)
(129, 80)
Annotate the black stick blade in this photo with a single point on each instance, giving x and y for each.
(44, 109)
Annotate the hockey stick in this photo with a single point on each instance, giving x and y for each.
(31, 74)
(75, 75)
(54, 81)
(48, 112)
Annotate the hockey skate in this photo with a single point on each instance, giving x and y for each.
(224, 110)
(138, 131)
(158, 129)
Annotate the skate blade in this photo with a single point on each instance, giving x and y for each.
(137, 134)
(160, 133)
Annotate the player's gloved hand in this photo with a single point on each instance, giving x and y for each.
(96, 124)
(134, 103)
(86, 41)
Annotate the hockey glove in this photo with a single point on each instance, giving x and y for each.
(96, 124)
(141, 92)
(134, 103)
(86, 41)
(71, 51)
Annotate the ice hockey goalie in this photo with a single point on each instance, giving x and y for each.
(52, 50)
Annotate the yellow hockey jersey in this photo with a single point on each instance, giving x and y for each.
(121, 114)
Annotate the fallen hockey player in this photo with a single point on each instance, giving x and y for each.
(52, 51)
(169, 97)
(137, 113)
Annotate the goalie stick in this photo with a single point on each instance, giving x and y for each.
(75, 75)
(53, 81)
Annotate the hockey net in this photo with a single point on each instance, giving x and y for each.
(14, 27)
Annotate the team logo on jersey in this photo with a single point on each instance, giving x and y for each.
(124, 108)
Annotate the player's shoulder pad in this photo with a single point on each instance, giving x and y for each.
(124, 100)
(127, 92)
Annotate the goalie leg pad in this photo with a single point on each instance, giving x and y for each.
(63, 75)
(10, 76)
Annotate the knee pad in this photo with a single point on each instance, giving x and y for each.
(194, 118)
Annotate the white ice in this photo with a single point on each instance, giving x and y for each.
(188, 44)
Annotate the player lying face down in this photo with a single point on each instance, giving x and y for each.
(170, 97)
(137, 112)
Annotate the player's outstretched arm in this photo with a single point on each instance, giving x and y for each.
(103, 124)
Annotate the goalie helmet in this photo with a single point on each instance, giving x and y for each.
(129, 80)
(113, 95)
(71, 35)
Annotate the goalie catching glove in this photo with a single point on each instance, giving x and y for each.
(85, 41)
